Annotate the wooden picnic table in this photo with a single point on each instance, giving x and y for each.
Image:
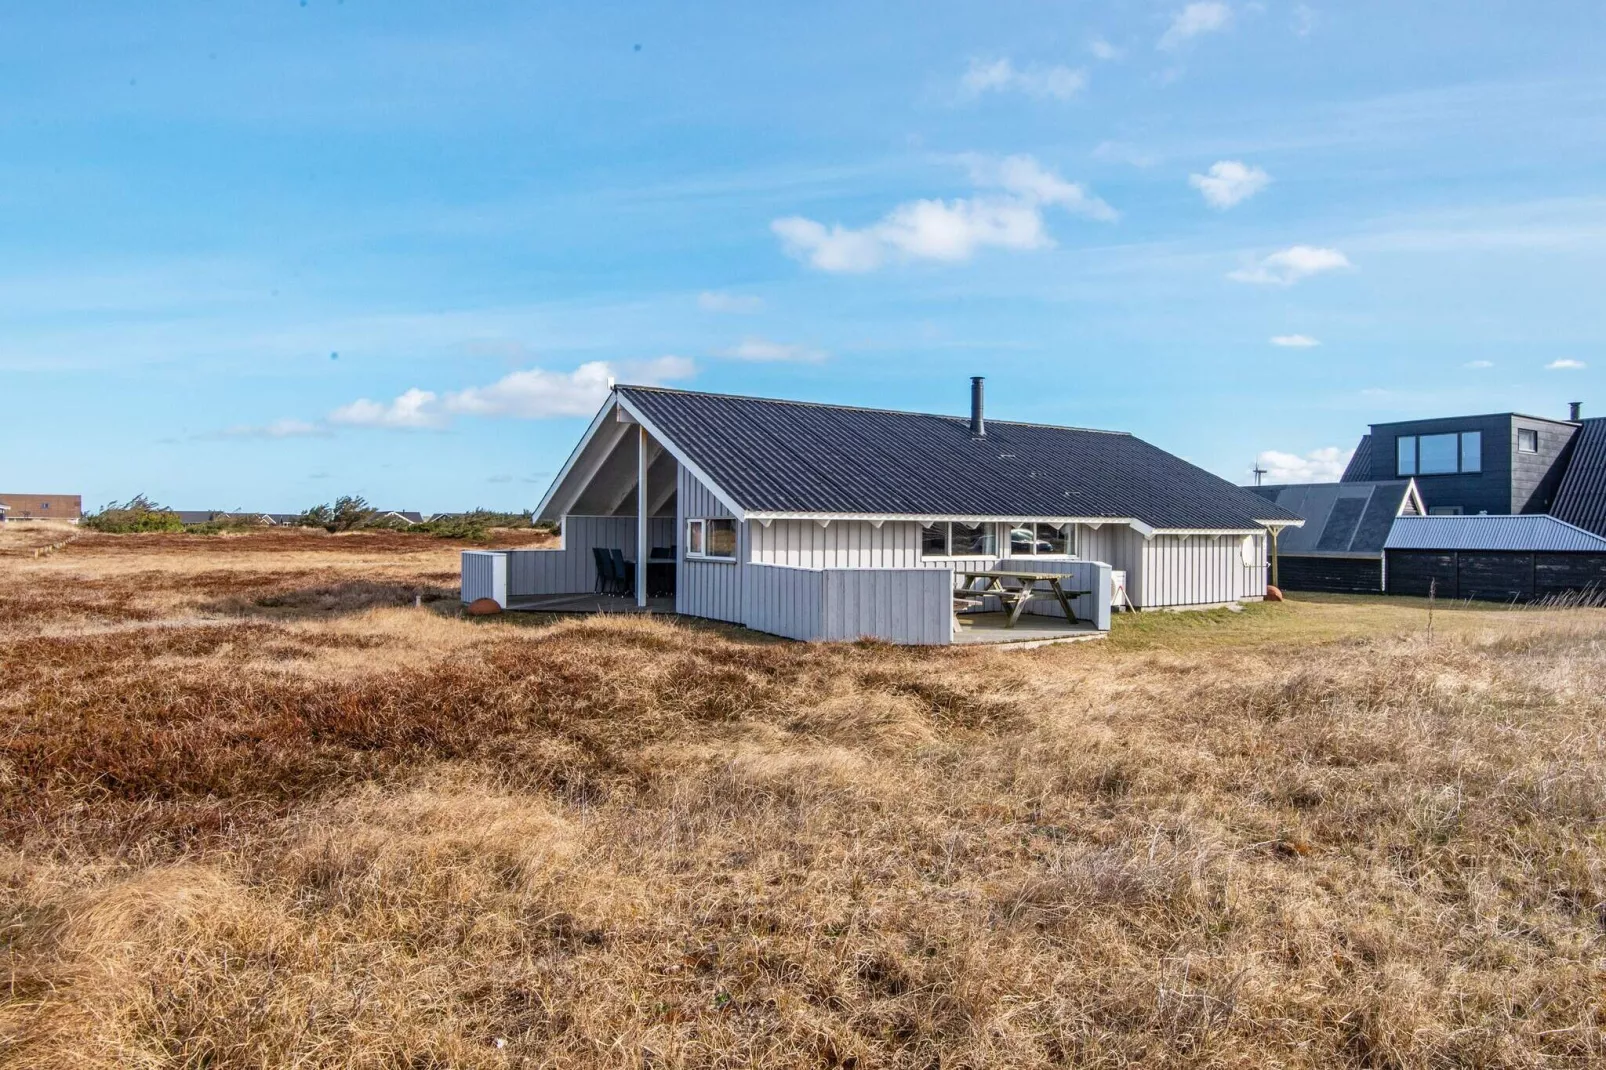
(1015, 598)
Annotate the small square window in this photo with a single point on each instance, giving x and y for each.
(934, 540)
(1527, 440)
(974, 540)
(721, 538)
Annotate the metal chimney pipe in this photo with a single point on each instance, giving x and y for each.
(978, 424)
(1576, 412)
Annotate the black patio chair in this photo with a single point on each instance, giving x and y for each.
(605, 582)
(624, 572)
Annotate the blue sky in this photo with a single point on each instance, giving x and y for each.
(263, 254)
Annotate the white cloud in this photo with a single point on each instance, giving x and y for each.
(948, 231)
(1001, 76)
(1565, 365)
(1288, 266)
(721, 301)
(1124, 152)
(763, 351)
(414, 411)
(1103, 50)
(532, 394)
(1325, 465)
(1304, 20)
(285, 428)
(1294, 341)
(1478, 364)
(1206, 16)
(1229, 182)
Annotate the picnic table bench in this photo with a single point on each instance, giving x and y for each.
(1014, 599)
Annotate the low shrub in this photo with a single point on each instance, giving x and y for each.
(138, 514)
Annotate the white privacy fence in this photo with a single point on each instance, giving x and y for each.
(485, 576)
(898, 605)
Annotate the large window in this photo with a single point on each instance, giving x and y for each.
(1437, 455)
(945, 539)
(713, 537)
(1036, 539)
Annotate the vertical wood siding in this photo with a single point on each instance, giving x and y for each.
(784, 601)
(1198, 570)
(843, 544)
(908, 605)
(485, 575)
(570, 567)
(706, 588)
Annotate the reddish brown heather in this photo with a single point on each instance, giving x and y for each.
(261, 811)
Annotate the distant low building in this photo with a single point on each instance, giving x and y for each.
(68, 507)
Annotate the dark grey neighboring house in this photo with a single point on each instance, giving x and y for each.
(1581, 497)
(1340, 548)
(1493, 558)
(1498, 463)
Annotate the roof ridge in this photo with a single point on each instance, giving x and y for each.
(863, 408)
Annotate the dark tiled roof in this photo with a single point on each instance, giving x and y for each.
(795, 457)
(1340, 518)
(1581, 498)
(1359, 469)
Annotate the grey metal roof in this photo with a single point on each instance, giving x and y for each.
(1535, 531)
(1359, 468)
(1581, 497)
(798, 457)
(1341, 519)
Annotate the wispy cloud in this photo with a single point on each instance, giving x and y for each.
(1103, 50)
(1294, 341)
(1124, 152)
(1323, 465)
(722, 301)
(1566, 364)
(1304, 20)
(1478, 364)
(1002, 76)
(950, 231)
(531, 394)
(286, 428)
(1206, 16)
(1229, 182)
(763, 351)
(1288, 266)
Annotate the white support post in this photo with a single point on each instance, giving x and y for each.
(641, 517)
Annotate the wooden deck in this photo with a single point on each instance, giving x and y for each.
(585, 603)
(977, 628)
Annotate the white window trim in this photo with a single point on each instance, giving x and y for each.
(703, 555)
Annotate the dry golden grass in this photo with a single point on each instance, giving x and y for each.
(261, 811)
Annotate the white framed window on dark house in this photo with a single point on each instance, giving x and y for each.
(711, 538)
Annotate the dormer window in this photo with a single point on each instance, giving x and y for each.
(1438, 455)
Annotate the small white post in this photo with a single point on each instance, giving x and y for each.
(641, 517)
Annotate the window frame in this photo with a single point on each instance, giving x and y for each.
(1477, 452)
(1532, 435)
(1069, 538)
(1439, 440)
(1400, 468)
(700, 540)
